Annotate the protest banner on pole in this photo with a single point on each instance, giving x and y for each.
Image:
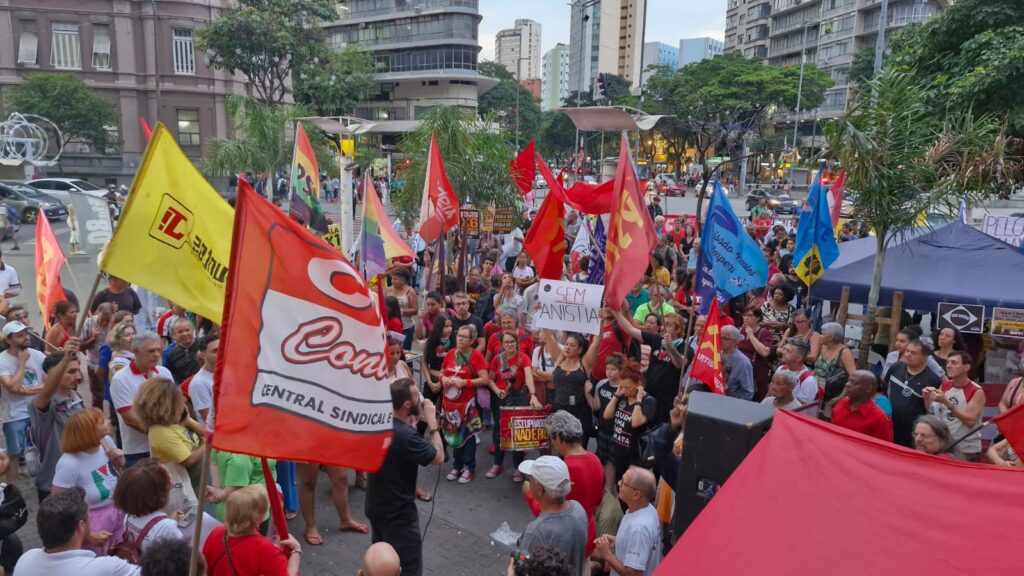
(1006, 228)
(569, 306)
(1008, 322)
(504, 219)
(469, 220)
(523, 428)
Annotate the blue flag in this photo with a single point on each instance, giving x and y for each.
(816, 248)
(730, 262)
(598, 241)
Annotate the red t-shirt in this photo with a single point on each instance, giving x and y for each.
(476, 365)
(252, 554)
(514, 376)
(395, 325)
(490, 329)
(611, 342)
(587, 476)
(869, 419)
(525, 343)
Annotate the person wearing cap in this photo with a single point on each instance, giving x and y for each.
(21, 377)
(635, 550)
(562, 523)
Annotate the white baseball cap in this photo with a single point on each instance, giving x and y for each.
(13, 328)
(550, 472)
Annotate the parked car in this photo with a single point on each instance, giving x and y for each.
(28, 201)
(666, 185)
(539, 182)
(62, 188)
(777, 201)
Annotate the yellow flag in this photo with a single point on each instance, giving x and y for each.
(174, 236)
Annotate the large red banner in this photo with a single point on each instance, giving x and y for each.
(301, 373)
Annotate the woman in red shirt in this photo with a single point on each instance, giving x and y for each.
(508, 323)
(463, 371)
(511, 385)
(238, 549)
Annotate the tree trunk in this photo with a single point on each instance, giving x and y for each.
(867, 337)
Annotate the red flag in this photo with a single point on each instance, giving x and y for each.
(631, 236)
(545, 240)
(707, 362)
(49, 260)
(523, 169)
(835, 199)
(439, 210)
(301, 375)
(146, 129)
(1011, 425)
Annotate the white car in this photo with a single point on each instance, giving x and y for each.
(61, 188)
(539, 182)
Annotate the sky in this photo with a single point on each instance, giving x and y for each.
(668, 21)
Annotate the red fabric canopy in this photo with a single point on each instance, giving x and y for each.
(812, 498)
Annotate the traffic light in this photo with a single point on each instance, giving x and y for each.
(601, 92)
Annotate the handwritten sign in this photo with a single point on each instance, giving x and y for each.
(523, 428)
(487, 223)
(1006, 228)
(569, 306)
(1008, 322)
(333, 236)
(504, 219)
(469, 220)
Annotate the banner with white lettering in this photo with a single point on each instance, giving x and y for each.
(92, 215)
(1006, 228)
(569, 306)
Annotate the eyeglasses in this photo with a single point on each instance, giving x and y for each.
(623, 483)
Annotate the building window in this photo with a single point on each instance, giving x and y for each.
(188, 127)
(184, 53)
(28, 45)
(101, 46)
(65, 52)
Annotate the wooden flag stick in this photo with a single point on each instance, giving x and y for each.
(197, 531)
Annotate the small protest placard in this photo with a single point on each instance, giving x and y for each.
(523, 428)
(569, 306)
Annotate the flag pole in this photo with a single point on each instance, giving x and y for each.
(88, 301)
(197, 531)
(276, 511)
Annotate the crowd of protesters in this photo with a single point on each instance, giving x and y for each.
(119, 413)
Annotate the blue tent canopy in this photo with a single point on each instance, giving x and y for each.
(954, 263)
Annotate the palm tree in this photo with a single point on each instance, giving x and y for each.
(903, 159)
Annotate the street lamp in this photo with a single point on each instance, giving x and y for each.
(584, 18)
(519, 79)
(799, 92)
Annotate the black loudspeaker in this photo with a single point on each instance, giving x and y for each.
(719, 433)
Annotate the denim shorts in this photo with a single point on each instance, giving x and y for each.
(16, 435)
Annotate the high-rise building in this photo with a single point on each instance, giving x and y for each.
(605, 36)
(518, 49)
(828, 33)
(426, 53)
(659, 54)
(147, 66)
(554, 77)
(696, 49)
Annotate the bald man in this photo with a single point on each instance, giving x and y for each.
(635, 550)
(381, 560)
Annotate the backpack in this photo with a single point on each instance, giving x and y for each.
(130, 549)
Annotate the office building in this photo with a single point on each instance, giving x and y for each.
(659, 54)
(426, 54)
(696, 49)
(554, 77)
(518, 49)
(747, 24)
(605, 36)
(147, 66)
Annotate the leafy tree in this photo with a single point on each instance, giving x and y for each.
(904, 159)
(504, 100)
(65, 100)
(863, 67)
(616, 89)
(556, 136)
(970, 56)
(263, 140)
(336, 84)
(269, 41)
(475, 159)
(723, 100)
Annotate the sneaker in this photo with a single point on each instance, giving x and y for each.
(494, 472)
(452, 475)
(490, 449)
(467, 476)
(518, 477)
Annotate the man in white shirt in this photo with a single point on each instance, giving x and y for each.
(793, 352)
(62, 522)
(511, 246)
(635, 550)
(148, 347)
(21, 377)
(200, 389)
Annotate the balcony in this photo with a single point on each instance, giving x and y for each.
(359, 9)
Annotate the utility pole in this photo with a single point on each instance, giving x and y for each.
(799, 93)
(883, 21)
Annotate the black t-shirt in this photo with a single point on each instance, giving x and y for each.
(604, 391)
(127, 300)
(904, 390)
(182, 362)
(662, 379)
(623, 436)
(474, 320)
(391, 491)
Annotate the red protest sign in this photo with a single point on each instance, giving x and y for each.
(524, 428)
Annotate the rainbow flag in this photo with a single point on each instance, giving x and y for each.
(304, 203)
(379, 242)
